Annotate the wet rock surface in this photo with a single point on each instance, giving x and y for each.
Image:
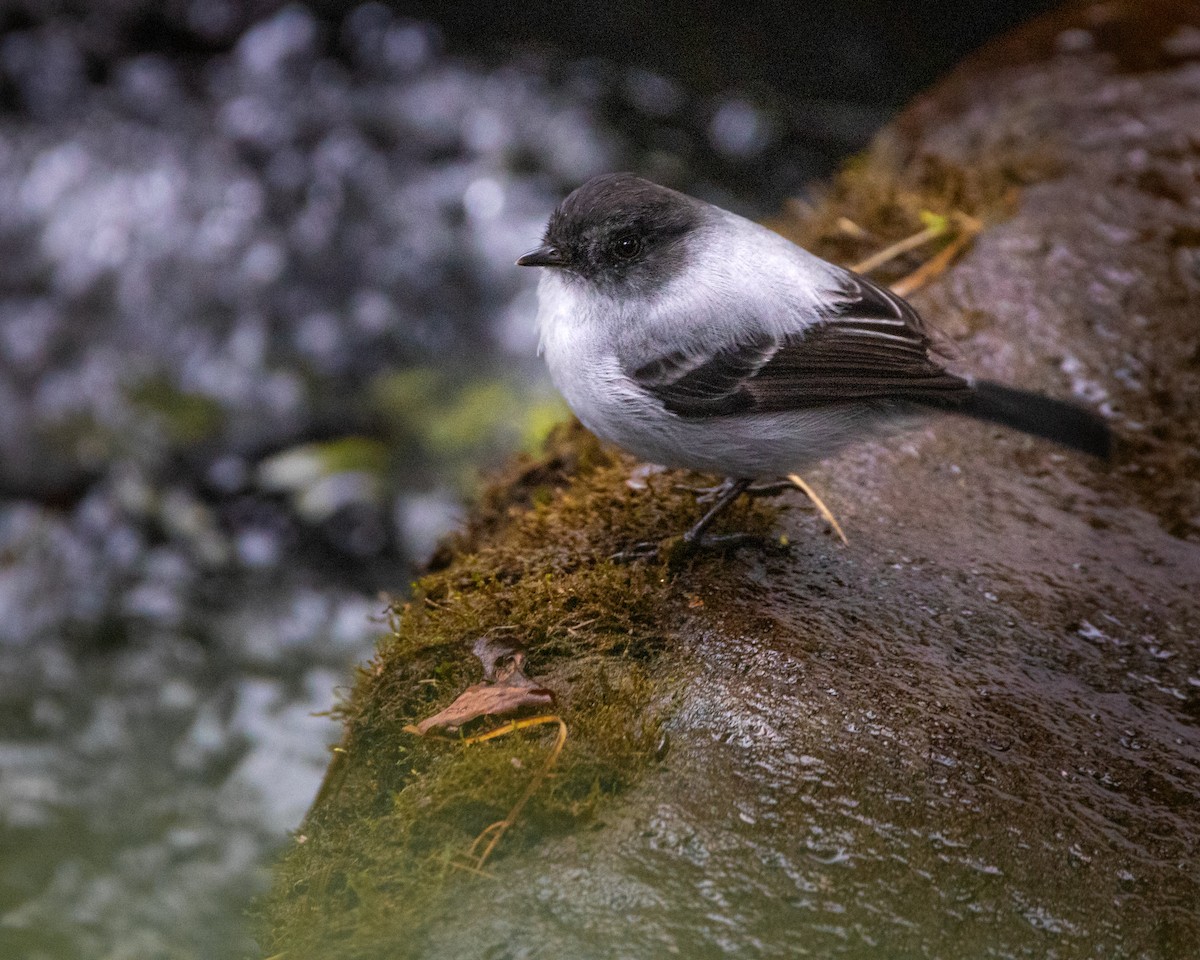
(973, 732)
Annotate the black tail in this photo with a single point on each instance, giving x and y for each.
(1055, 420)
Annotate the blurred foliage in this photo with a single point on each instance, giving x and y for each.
(311, 461)
(422, 418)
(185, 417)
(463, 424)
(321, 478)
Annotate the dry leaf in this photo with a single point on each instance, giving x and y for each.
(506, 690)
(485, 699)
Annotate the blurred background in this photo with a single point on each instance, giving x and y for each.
(260, 331)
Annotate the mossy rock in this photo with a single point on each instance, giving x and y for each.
(536, 568)
(972, 732)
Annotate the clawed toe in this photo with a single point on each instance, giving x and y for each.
(714, 493)
(647, 550)
(706, 494)
(728, 542)
(675, 550)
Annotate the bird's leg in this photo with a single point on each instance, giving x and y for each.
(722, 496)
(697, 537)
(730, 490)
(793, 482)
(707, 494)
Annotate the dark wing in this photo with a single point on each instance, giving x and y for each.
(874, 348)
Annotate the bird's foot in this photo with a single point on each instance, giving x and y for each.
(714, 493)
(646, 550)
(707, 494)
(675, 551)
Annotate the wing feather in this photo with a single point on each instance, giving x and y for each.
(873, 347)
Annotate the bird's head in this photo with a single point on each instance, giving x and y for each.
(620, 233)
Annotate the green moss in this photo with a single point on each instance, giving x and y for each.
(397, 810)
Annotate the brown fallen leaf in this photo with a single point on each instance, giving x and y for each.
(505, 690)
(484, 700)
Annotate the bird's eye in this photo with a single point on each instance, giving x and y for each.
(627, 247)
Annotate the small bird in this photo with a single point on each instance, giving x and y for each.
(693, 337)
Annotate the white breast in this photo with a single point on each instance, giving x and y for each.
(581, 354)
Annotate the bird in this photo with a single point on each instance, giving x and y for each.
(696, 338)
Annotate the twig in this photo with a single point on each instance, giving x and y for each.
(876, 260)
(969, 228)
(820, 505)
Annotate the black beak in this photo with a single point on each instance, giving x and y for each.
(543, 256)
